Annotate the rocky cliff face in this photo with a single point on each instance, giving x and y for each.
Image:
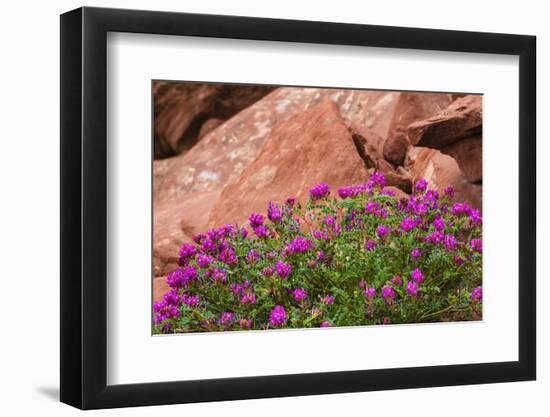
(260, 144)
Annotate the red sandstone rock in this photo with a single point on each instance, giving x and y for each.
(182, 110)
(160, 287)
(369, 146)
(455, 131)
(167, 236)
(165, 256)
(176, 221)
(221, 156)
(468, 154)
(312, 147)
(395, 147)
(410, 107)
(196, 210)
(461, 119)
(209, 126)
(160, 168)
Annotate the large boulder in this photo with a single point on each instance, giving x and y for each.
(185, 112)
(410, 107)
(222, 155)
(160, 168)
(160, 287)
(314, 146)
(456, 131)
(395, 147)
(461, 119)
(468, 155)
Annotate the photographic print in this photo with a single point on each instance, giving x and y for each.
(279, 207)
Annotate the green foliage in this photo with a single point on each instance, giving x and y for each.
(336, 252)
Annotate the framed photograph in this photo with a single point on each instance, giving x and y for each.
(258, 208)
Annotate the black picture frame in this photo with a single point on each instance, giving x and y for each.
(84, 207)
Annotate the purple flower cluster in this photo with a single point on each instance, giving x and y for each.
(370, 293)
(167, 308)
(204, 261)
(476, 245)
(319, 191)
(449, 191)
(439, 224)
(461, 209)
(187, 252)
(219, 275)
(227, 318)
(417, 276)
(388, 294)
(408, 224)
(421, 185)
(262, 231)
(283, 269)
(449, 241)
(255, 220)
(181, 278)
(435, 238)
(320, 256)
(347, 192)
(299, 294)
(355, 190)
(190, 299)
(328, 299)
(253, 256)
(372, 207)
(228, 257)
(274, 213)
(382, 231)
(299, 245)
(377, 180)
(331, 227)
(415, 254)
(475, 217)
(239, 288)
(476, 294)
(277, 318)
(248, 298)
(370, 245)
(412, 288)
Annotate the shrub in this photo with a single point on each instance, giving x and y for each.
(362, 258)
